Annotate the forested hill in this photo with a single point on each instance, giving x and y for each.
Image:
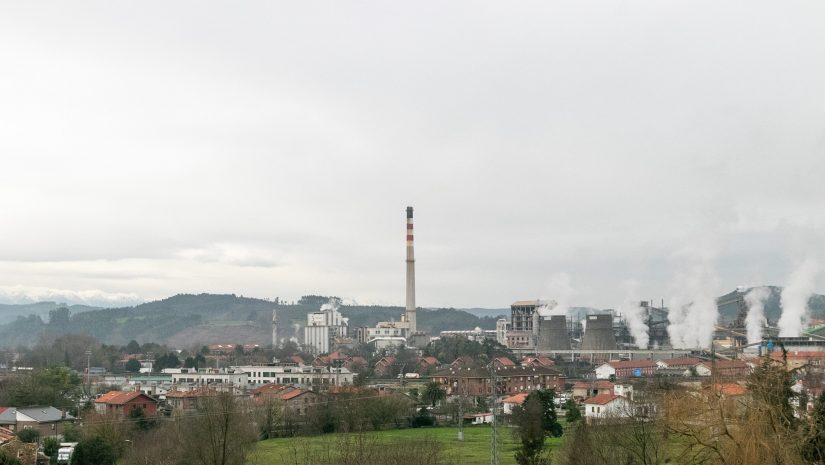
(9, 312)
(728, 309)
(187, 320)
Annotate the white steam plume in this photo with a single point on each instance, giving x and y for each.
(692, 310)
(756, 298)
(562, 291)
(795, 299)
(635, 316)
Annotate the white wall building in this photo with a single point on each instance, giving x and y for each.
(502, 326)
(606, 406)
(605, 371)
(322, 327)
(209, 376)
(302, 375)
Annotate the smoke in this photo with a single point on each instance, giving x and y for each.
(562, 292)
(550, 308)
(635, 316)
(296, 328)
(755, 298)
(692, 310)
(795, 297)
(332, 304)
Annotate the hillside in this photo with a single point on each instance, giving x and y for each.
(188, 320)
(10, 312)
(773, 310)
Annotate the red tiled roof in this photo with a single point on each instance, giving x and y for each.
(6, 435)
(682, 362)
(292, 394)
(118, 397)
(516, 398)
(505, 361)
(730, 389)
(601, 399)
(430, 360)
(268, 388)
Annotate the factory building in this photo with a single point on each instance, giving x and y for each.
(322, 328)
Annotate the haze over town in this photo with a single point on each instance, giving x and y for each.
(269, 149)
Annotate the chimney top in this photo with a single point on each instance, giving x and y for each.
(409, 212)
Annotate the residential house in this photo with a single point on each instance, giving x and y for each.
(124, 402)
(509, 380)
(584, 389)
(383, 367)
(478, 418)
(48, 421)
(294, 400)
(510, 402)
(541, 361)
(501, 362)
(626, 369)
(814, 361)
(188, 401)
(463, 362)
(427, 365)
(606, 406)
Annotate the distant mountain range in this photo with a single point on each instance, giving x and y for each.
(188, 320)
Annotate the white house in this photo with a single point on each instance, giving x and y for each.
(624, 390)
(508, 403)
(478, 418)
(605, 371)
(606, 406)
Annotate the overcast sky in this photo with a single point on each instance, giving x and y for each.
(550, 149)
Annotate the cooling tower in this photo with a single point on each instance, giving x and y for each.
(598, 334)
(553, 333)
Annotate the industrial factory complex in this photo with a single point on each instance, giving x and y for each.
(544, 328)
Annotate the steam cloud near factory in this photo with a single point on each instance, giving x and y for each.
(795, 298)
(755, 300)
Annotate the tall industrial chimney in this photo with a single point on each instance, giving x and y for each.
(274, 329)
(410, 311)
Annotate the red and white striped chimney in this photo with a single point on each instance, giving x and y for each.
(410, 308)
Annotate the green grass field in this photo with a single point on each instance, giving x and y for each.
(474, 450)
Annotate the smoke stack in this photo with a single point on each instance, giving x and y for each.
(274, 330)
(410, 313)
(598, 335)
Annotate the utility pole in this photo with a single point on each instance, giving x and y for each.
(493, 432)
(89, 372)
(461, 399)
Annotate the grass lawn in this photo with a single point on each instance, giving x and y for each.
(474, 450)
